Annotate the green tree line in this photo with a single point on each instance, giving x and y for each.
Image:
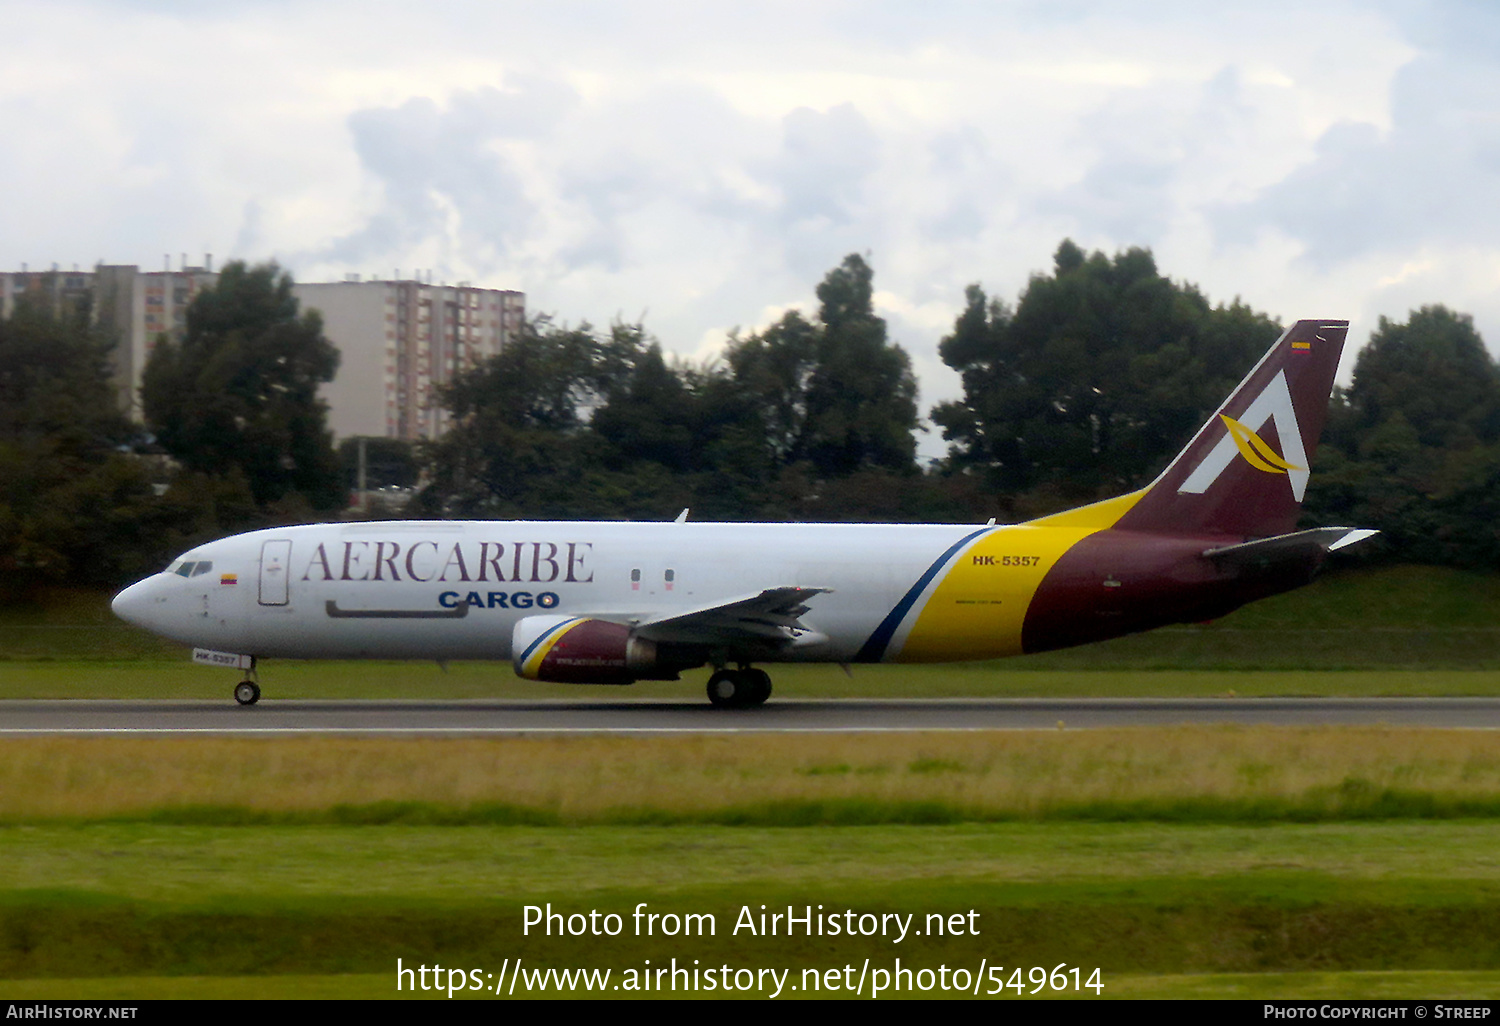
(1082, 389)
(234, 435)
(812, 418)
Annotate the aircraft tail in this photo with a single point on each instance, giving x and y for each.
(1246, 470)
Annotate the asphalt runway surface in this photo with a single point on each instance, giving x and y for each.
(656, 716)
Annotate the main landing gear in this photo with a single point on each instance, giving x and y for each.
(247, 691)
(739, 689)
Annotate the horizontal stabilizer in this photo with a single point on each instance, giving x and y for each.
(1353, 537)
(1285, 546)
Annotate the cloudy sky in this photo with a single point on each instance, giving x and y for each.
(702, 165)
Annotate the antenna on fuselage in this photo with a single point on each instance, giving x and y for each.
(682, 517)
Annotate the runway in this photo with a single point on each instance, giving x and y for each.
(654, 716)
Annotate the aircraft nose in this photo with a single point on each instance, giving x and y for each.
(137, 603)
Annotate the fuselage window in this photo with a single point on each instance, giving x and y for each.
(635, 580)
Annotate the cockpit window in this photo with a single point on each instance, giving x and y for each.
(202, 567)
(184, 569)
(191, 568)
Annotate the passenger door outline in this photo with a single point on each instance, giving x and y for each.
(275, 563)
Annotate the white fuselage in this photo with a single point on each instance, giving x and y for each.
(455, 589)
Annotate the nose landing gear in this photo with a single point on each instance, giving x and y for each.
(739, 689)
(247, 691)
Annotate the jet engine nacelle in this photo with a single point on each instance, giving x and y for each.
(580, 650)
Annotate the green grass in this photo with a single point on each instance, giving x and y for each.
(154, 901)
(255, 865)
(63, 623)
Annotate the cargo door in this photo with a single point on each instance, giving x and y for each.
(275, 563)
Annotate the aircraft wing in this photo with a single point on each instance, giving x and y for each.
(1284, 546)
(772, 616)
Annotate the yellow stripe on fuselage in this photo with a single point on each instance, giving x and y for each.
(977, 610)
(1098, 515)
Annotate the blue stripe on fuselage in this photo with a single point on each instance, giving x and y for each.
(873, 650)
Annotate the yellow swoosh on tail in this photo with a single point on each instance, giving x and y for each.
(1255, 450)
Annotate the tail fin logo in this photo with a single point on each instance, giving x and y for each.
(1274, 406)
(1255, 450)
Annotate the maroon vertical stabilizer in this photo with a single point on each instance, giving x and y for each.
(1245, 472)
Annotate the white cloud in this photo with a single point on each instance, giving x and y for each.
(707, 164)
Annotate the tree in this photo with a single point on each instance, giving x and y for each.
(75, 507)
(241, 390)
(517, 443)
(835, 393)
(1435, 371)
(862, 396)
(1412, 447)
(772, 372)
(570, 423)
(648, 413)
(980, 350)
(1100, 374)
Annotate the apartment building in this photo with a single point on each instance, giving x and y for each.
(135, 307)
(139, 308)
(399, 340)
(57, 290)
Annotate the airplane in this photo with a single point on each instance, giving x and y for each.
(614, 603)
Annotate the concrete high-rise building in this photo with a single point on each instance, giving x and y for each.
(55, 290)
(400, 341)
(139, 308)
(132, 306)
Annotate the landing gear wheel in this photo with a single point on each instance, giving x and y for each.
(739, 689)
(759, 682)
(247, 692)
(726, 690)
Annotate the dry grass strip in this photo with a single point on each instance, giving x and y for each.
(1325, 772)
